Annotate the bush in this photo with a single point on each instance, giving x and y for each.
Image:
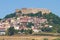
(29, 31)
(46, 29)
(11, 31)
(45, 39)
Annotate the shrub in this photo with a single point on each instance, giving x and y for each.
(33, 39)
(11, 31)
(45, 39)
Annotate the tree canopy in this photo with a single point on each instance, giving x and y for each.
(10, 15)
(11, 31)
(52, 18)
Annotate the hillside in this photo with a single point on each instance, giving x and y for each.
(50, 17)
(10, 15)
(51, 20)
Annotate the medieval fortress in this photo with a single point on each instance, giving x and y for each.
(33, 10)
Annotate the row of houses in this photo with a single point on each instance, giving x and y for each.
(21, 22)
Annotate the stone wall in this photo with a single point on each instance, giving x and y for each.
(33, 10)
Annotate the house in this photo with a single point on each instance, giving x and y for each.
(35, 29)
(24, 19)
(8, 20)
(2, 31)
(23, 27)
(43, 20)
(5, 25)
(39, 20)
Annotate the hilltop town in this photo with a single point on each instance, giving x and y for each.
(27, 19)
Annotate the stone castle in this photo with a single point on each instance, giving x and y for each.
(33, 10)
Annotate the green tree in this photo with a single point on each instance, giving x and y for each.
(30, 24)
(58, 30)
(29, 31)
(39, 14)
(0, 19)
(45, 39)
(10, 15)
(46, 29)
(52, 18)
(22, 30)
(31, 14)
(11, 31)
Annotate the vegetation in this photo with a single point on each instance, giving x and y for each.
(53, 20)
(33, 39)
(10, 15)
(45, 39)
(46, 29)
(11, 31)
(29, 24)
(29, 31)
(22, 30)
(0, 19)
(58, 29)
(39, 14)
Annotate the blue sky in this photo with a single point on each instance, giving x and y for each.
(9, 6)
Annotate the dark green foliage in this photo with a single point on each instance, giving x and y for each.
(16, 31)
(46, 29)
(0, 19)
(39, 14)
(11, 31)
(52, 18)
(45, 39)
(33, 39)
(30, 14)
(29, 31)
(30, 24)
(10, 15)
(22, 30)
(58, 30)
